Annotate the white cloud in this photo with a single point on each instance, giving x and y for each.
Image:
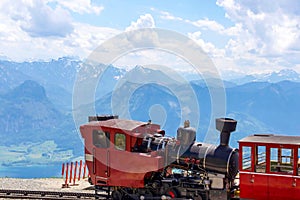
(45, 21)
(85, 39)
(81, 6)
(144, 21)
(275, 25)
(265, 35)
(80, 43)
(32, 30)
(169, 16)
(235, 30)
(37, 18)
(207, 46)
(297, 68)
(207, 24)
(17, 45)
(228, 4)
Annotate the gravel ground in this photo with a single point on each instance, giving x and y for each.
(55, 184)
(48, 184)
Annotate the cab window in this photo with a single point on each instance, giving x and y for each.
(101, 139)
(120, 141)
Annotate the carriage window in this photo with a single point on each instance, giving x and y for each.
(120, 141)
(260, 159)
(100, 139)
(246, 156)
(281, 160)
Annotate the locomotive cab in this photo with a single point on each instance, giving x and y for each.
(135, 159)
(113, 151)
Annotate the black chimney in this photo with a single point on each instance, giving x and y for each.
(225, 126)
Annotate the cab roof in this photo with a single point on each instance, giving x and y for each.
(272, 139)
(123, 124)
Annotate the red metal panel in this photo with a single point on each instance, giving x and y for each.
(101, 163)
(128, 168)
(296, 187)
(281, 187)
(246, 185)
(260, 186)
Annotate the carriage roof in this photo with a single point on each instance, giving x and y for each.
(272, 139)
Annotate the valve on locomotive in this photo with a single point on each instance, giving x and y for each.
(186, 135)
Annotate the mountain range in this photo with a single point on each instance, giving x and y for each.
(36, 104)
(273, 77)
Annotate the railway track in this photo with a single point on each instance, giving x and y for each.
(32, 194)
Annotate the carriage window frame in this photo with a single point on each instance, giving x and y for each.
(101, 139)
(284, 160)
(120, 141)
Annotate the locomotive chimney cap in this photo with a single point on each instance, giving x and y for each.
(226, 124)
(102, 117)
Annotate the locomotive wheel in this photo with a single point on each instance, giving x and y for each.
(116, 195)
(173, 193)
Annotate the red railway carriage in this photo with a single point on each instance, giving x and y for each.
(269, 167)
(108, 152)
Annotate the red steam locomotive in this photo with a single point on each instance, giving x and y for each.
(135, 160)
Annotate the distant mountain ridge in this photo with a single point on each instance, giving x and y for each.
(56, 76)
(60, 72)
(29, 90)
(36, 102)
(25, 109)
(273, 77)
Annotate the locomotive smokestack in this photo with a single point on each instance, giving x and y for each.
(225, 126)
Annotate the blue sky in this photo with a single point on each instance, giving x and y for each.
(240, 36)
